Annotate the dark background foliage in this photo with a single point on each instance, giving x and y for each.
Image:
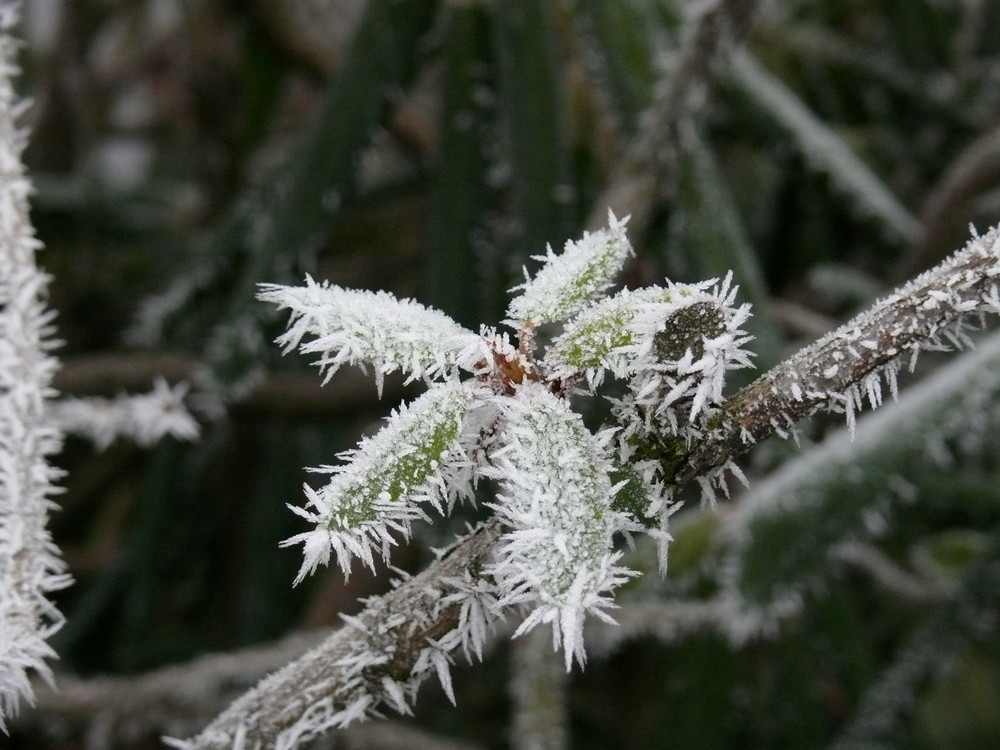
(185, 151)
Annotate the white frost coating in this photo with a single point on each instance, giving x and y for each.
(419, 456)
(358, 327)
(569, 282)
(30, 567)
(144, 418)
(555, 494)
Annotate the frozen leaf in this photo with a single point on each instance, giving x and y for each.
(419, 456)
(348, 326)
(567, 283)
(556, 496)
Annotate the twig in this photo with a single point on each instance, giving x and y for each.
(838, 370)
(325, 689)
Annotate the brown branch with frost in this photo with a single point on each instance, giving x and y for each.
(847, 365)
(338, 678)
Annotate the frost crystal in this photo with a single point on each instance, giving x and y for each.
(555, 494)
(358, 327)
(569, 282)
(30, 568)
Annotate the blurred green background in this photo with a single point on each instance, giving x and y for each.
(184, 151)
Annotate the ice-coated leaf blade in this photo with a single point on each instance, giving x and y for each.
(568, 282)
(606, 334)
(556, 497)
(418, 457)
(359, 327)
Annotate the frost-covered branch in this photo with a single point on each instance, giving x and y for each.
(30, 567)
(779, 547)
(376, 659)
(847, 366)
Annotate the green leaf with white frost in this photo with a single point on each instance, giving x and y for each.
(567, 283)
(349, 326)
(555, 494)
(417, 457)
(604, 335)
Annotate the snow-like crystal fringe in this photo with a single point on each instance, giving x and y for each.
(30, 567)
(348, 326)
(568, 282)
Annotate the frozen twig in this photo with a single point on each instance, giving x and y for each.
(403, 633)
(846, 366)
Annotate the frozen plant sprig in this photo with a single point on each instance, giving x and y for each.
(452, 604)
(144, 418)
(497, 410)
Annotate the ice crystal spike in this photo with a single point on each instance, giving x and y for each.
(357, 327)
(567, 283)
(418, 457)
(555, 495)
